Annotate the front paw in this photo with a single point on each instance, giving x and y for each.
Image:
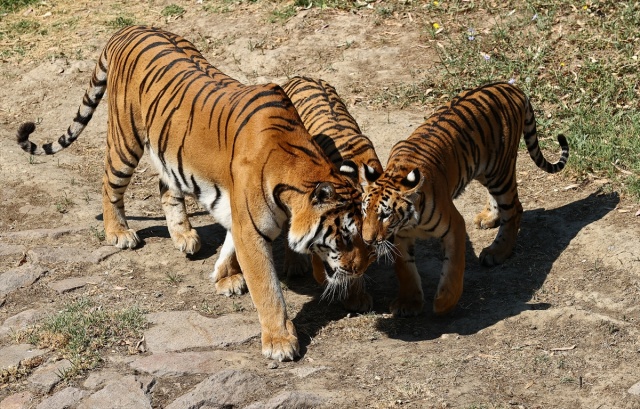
(407, 306)
(358, 299)
(188, 242)
(123, 238)
(281, 347)
(493, 255)
(231, 285)
(446, 299)
(295, 264)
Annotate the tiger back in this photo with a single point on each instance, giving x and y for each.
(327, 119)
(475, 136)
(332, 127)
(241, 151)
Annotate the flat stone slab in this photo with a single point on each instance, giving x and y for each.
(227, 388)
(45, 254)
(635, 389)
(11, 249)
(49, 375)
(20, 277)
(292, 400)
(65, 398)
(20, 400)
(190, 363)
(12, 355)
(70, 284)
(124, 393)
(20, 321)
(181, 330)
(41, 233)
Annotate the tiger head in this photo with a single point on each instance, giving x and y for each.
(327, 222)
(389, 205)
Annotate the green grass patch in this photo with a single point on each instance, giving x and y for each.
(282, 14)
(582, 81)
(83, 329)
(121, 22)
(173, 10)
(11, 6)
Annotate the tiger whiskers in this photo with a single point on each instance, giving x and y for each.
(337, 287)
(387, 251)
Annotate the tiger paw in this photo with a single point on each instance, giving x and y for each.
(123, 239)
(358, 299)
(486, 220)
(188, 242)
(407, 306)
(490, 257)
(446, 300)
(295, 264)
(281, 347)
(231, 285)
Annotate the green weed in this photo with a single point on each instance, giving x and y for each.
(83, 329)
(173, 10)
(120, 22)
(11, 6)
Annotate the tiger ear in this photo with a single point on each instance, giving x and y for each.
(413, 181)
(350, 170)
(368, 175)
(324, 192)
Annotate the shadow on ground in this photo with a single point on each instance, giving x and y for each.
(493, 294)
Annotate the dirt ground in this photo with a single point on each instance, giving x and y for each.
(556, 326)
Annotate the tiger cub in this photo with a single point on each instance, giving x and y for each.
(475, 136)
(327, 119)
(241, 151)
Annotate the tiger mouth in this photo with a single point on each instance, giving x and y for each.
(338, 273)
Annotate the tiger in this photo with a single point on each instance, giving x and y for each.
(241, 151)
(475, 136)
(329, 122)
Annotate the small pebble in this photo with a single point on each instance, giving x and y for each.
(273, 365)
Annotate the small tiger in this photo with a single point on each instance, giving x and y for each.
(327, 119)
(241, 151)
(475, 136)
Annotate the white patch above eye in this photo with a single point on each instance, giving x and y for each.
(347, 169)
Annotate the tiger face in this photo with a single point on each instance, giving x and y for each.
(390, 205)
(328, 225)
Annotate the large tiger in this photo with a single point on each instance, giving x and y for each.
(327, 119)
(240, 150)
(475, 136)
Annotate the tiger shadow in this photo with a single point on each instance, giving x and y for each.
(490, 294)
(494, 294)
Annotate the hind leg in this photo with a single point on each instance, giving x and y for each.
(184, 237)
(227, 274)
(509, 210)
(119, 166)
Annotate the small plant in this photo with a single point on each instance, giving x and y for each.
(173, 278)
(98, 233)
(81, 330)
(63, 204)
(120, 22)
(11, 6)
(173, 10)
(282, 14)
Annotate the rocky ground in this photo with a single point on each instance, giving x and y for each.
(556, 326)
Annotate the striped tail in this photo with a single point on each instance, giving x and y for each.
(90, 101)
(531, 140)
